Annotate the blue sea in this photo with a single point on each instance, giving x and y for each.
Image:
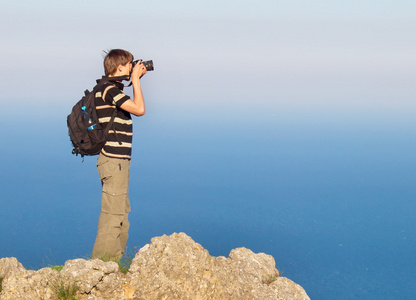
(328, 192)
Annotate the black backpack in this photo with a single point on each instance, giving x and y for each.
(87, 135)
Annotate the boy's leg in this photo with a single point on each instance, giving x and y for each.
(113, 224)
(125, 224)
(107, 243)
(124, 234)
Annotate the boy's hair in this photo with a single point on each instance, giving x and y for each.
(114, 58)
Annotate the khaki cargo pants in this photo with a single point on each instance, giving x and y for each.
(113, 224)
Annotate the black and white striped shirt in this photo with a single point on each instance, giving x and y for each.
(122, 129)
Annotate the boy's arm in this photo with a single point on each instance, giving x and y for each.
(136, 106)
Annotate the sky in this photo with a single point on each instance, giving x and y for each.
(237, 85)
(243, 50)
(303, 62)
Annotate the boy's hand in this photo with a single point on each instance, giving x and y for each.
(138, 71)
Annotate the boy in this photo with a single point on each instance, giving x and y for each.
(113, 163)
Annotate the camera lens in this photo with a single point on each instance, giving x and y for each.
(148, 64)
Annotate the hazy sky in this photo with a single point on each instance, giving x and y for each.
(243, 51)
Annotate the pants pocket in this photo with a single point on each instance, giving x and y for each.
(104, 168)
(115, 204)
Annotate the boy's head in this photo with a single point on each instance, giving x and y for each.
(114, 58)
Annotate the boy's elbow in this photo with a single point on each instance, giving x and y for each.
(139, 112)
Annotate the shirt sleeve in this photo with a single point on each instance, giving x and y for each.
(116, 97)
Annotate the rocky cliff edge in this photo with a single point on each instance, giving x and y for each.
(170, 267)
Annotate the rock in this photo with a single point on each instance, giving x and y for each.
(170, 267)
(29, 285)
(101, 279)
(175, 267)
(10, 265)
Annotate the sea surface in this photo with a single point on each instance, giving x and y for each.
(330, 195)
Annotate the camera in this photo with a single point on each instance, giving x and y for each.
(148, 64)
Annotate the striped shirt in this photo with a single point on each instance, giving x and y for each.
(122, 129)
